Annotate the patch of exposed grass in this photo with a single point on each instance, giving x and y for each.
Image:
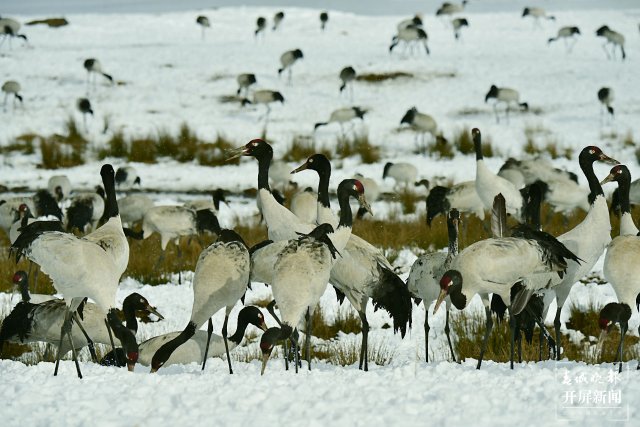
(347, 353)
(23, 144)
(117, 146)
(627, 140)
(358, 145)
(63, 151)
(301, 148)
(381, 77)
(540, 140)
(51, 22)
(442, 149)
(346, 320)
(143, 151)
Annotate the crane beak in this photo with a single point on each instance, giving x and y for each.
(153, 310)
(441, 297)
(606, 159)
(234, 153)
(363, 202)
(263, 326)
(300, 168)
(265, 359)
(608, 178)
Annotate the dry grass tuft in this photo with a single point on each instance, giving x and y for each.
(359, 145)
(346, 321)
(301, 148)
(63, 151)
(348, 353)
(442, 149)
(381, 77)
(51, 22)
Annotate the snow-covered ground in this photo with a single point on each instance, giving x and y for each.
(167, 75)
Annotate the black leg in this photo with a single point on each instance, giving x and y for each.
(92, 347)
(364, 354)
(540, 338)
(286, 355)
(62, 332)
(556, 324)
(296, 359)
(446, 331)
(206, 349)
(623, 331)
(426, 334)
(487, 331)
(226, 345)
(73, 350)
(545, 333)
(307, 339)
(512, 327)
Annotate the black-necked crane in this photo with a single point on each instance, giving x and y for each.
(11, 87)
(537, 13)
(287, 60)
(94, 66)
(621, 267)
(496, 264)
(59, 186)
(9, 29)
(342, 116)
(204, 23)
(261, 25)
(277, 20)
(347, 77)
(245, 81)
(448, 8)
(362, 272)
(424, 278)
(634, 197)
(265, 97)
(489, 185)
(614, 38)
(509, 97)
(31, 321)
(605, 96)
(194, 349)
(409, 36)
(421, 124)
(90, 266)
(587, 240)
(220, 280)
(462, 196)
(84, 106)
(42, 203)
(127, 177)
(458, 24)
(404, 174)
(301, 274)
(324, 18)
(566, 34)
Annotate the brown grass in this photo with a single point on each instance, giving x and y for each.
(381, 77)
(359, 145)
(51, 22)
(301, 148)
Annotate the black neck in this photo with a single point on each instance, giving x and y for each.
(240, 330)
(346, 216)
(111, 203)
(24, 291)
(130, 315)
(164, 352)
(264, 161)
(623, 194)
(453, 238)
(595, 188)
(477, 144)
(323, 187)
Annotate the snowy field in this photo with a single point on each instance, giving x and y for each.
(167, 75)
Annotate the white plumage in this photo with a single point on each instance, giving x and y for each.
(410, 35)
(489, 185)
(59, 186)
(133, 207)
(614, 38)
(509, 97)
(404, 174)
(304, 205)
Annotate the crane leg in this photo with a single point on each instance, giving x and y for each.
(66, 330)
(623, 331)
(90, 344)
(113, 346)
(556, 324)
(446, 331)
(226, 345)
(206, 349)
(540, 346)
(512, 329)
(426, 333)
(544, 333)
(487, 332)
(364, 354)
(307, 339)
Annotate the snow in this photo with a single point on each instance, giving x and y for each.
(169, 76)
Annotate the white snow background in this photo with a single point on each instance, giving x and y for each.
(169, 76)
